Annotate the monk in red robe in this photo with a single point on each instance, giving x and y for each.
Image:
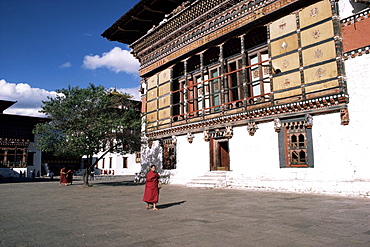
(63, 177)
(69, 177)
(151, 192)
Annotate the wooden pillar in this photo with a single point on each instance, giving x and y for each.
(201, 57)
(221, 81)
(245, 91)
(171, 94)
(183, 97)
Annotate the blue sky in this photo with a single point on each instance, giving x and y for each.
(49, 44)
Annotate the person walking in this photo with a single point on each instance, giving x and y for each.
(63, 177)
(151, 192)
(69, 177)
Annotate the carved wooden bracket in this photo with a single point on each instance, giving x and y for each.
(190, 137)
(252, 128)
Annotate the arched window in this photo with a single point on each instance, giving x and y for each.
(302, 157)
(294, 141)
(301, 141)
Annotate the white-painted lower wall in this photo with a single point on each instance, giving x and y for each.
(117, 164)
(341, 153)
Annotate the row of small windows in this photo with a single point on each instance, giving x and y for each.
(202, 30)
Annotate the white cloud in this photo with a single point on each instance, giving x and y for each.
(117, 60)
(65, 65)
(28, 99)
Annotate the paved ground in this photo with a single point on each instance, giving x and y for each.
(111, 213)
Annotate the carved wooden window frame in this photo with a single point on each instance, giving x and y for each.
(295, 144)
(214, 88)
(259, 68)
(169, 155)
(234, 79)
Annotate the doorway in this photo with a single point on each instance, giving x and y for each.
(219, 151)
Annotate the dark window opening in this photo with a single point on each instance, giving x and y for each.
(211, 56)
(125, 162)
(232, 47)
(193, 63)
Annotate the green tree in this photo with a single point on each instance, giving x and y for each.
(87, 121)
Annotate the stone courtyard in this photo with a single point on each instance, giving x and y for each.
(111, 213)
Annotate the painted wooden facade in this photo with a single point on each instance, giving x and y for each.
(212, 68)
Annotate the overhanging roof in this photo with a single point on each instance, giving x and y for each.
(139, 19)
(5, 104)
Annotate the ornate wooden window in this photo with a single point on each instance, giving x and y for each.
(234, 80)
(195, 90)
(295, 144)
(259, 76)
(212, 90)
(258, 69)
(169, 154)
(177, 88)
(138, 157)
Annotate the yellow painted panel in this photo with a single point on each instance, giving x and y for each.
(151, 125)
(321, 72)
(152, 82)
(164, 89)
(288, 93)
(151, 106)
(164, 101)
(317, 33)
(286, 81)
(286, 63)
(314, 13)
(152, 94)
(164, 76)
(165, 113)
(319, 53)
(321, 86)
(151, 117)
(284, 45)
(164, 121)
(283, 26)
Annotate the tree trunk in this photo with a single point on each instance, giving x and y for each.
(86, 176)
(87, 171)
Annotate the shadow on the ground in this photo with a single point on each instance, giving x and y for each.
(167, 205)
(22, 180)
(118, 183)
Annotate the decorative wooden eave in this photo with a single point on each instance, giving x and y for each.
(335, 103)
(154, 42)
(139, 19)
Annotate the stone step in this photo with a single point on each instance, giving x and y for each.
(212, 179)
